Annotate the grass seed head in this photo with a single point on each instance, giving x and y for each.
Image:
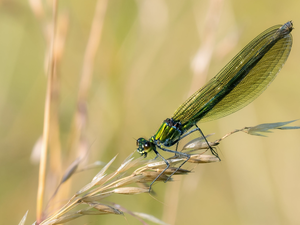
(203, 159)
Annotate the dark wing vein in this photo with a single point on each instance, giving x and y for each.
(248, 88)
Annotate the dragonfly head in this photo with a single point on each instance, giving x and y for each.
(144, 146)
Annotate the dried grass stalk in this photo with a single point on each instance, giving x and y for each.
(122, 181)
(119, 181)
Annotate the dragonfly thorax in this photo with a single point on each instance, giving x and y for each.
(169, 133)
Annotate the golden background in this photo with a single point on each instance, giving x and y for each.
(152, 55)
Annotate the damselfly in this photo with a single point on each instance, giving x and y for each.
(243, 79)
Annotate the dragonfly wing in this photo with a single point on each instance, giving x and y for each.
(206, 104)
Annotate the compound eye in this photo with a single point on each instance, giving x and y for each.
(147, 145)
(139, 141)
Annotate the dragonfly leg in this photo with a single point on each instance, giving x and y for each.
(198, 129)
(176, 153)
(188, 133)
(167, 163)
(176, 148)
(187, 159)
(211, 149)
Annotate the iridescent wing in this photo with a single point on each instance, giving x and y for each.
(243, 79)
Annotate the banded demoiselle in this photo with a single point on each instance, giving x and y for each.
(243, 79)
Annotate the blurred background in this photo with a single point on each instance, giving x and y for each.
(151, 55)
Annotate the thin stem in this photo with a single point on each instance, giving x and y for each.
(87, 71)
(43, 159)
(227, 135)
(66, 208)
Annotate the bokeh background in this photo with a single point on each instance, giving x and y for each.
(152, 55)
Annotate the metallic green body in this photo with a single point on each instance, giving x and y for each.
(166, 134)
(170, 132)
(243, 79)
